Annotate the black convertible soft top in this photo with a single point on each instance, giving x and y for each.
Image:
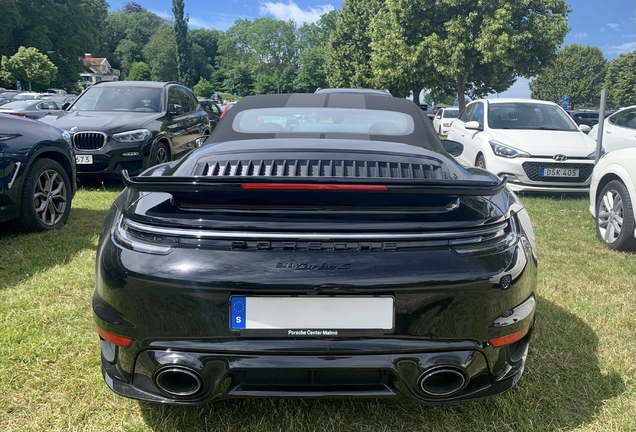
(422, 134)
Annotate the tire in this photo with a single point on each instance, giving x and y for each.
(615, 217)
(159, 154)
(46, 197)
(481, 161)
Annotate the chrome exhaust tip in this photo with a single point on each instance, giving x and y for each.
(442, 381)
(178, 381)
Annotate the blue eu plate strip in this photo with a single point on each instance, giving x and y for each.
(237, 309)
(542, 172)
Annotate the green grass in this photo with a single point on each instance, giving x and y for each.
(580, 374)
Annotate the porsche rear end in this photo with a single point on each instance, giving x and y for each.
(316, 273)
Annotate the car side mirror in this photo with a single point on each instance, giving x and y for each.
(585, 128)
(176, 110)
(200, 141)
(473, 125)
(453, 147)
(66, 105)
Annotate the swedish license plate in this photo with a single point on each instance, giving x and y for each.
(311, 316)
(559, 172)
(83, 159)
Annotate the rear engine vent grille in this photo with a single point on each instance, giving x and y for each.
(89, 140)
(300, 168)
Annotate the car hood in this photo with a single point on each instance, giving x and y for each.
(109, 122)
(547, 143)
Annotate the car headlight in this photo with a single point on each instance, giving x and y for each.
(446, 124)
(503, 150)
(593, 154)
(133, 136)
(67, 137)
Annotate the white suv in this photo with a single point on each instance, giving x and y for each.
(534, 142)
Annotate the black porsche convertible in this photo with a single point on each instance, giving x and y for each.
(318, 245)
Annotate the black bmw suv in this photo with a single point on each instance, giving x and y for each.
(131, 125)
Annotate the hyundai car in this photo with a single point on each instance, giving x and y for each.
(318, 245)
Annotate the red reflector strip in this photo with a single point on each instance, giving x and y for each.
(18, 114)
(116, 339)
(507, 340)
(310, 186)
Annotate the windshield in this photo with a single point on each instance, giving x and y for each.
(125, 98)
(529, 115)
(451, 113)
(323, 120)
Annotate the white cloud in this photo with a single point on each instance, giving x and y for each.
(291, 11)
(220, 21)
(580, 35)
(613, 26)
(620, 49)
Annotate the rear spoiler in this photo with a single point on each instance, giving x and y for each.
(189, 185)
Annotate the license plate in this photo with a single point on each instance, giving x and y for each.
(83, 159)
(321, 315)
(559, 172)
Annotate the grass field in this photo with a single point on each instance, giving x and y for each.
(580, 374)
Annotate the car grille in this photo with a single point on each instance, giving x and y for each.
(533, 171)
(324, 168)
(89, 140)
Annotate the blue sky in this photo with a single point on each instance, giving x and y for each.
(607, 24)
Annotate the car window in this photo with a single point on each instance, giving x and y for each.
(173, 97)
(625, 118)
(188, 102)
(323, 120)
(124, 98)
(451, 113)
(478, 113)
(528, 115)
(467, 113)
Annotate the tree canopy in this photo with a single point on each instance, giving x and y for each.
(28, 65)
(577, 72)
(620, 80)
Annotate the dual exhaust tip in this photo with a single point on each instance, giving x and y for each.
(439, 381)
(442, 381)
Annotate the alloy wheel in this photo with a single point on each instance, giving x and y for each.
(50, 197)
(610, 216)
(162, 155)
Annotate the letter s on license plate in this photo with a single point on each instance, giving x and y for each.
(559, 172)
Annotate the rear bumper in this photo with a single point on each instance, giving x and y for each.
(238, 375)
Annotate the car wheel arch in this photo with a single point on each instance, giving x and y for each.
(49, 153)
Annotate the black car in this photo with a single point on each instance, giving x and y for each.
(213, 109)
(131, 125)
(37, 174)
(318, 245)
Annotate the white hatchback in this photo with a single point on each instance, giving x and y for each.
(612, 194)
(534, 142)
(619, 130)
(443, 119)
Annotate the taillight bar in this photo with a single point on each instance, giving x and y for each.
(311, 186)
(508, 339)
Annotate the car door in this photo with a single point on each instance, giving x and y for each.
(437, 121)
(459, 133)
(176, 125)
(196, 119)
(214, 112)
(620, 130)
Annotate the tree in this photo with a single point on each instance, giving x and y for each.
(349, 54)
(481, 47)
(29, 65)
(126, 33)
(620, 80)
(184, 45)
(577, 72)
(203, 88)
(139, 71)
(160, 54)
(312, 45)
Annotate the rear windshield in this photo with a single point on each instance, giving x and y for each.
(142, 99)
(323, 120)
(23, 104)
(529, 116)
